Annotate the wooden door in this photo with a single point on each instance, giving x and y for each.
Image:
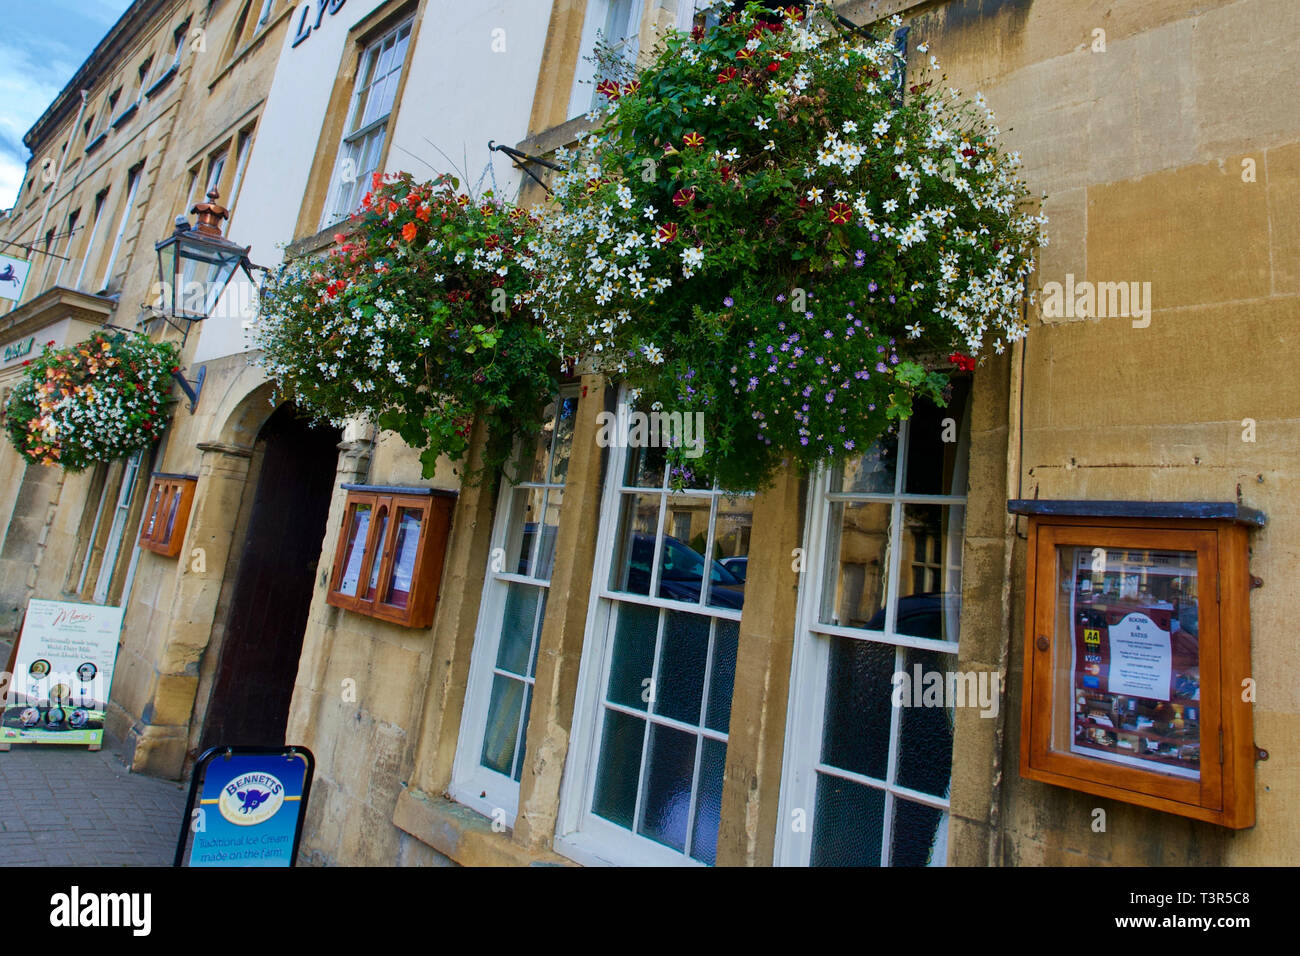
(273, 586)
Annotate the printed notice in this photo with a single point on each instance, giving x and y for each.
(1140, 658)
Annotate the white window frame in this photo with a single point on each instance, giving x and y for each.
(133, 183)
(580, 834)
(339, 190)
(806, 713)
(264, 16)
(243, 146)
(117, 527)
(595, 21)
(67, 246)
(473, 784)
(98, 204)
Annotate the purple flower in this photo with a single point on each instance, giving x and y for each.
(871, 286)
(753, 384)
(780, 297)
(848, 445)
(891, 300)
(880, 367)
(830, 397)
(875, 237)
(728, 302)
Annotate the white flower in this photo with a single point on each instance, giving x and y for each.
(649, 212)
(771, 145)
(849, 126)
(709, 100)
(692, 256)
(762, 122)
(652, 354)
(814, 195)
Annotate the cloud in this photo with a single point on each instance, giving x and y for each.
(41, 48)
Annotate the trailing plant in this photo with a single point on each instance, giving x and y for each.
(98, 400)
(412, 321)
(772, 227)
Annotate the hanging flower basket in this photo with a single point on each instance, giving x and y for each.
(769, 230)
(412, 321)
(95, 401)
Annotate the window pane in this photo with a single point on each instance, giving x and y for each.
(859, 687)
(849, 824)
(666, 804)
(919, 835)
(934, 437)
(563, 438)
(871, 473)
(925, 736)
(503, 724)
(680, 686)
(405, 548)
(355, 550)
(857, 564)
(731, 532)
(708, 802)
(645, 467)
(517, 627)
(550, 526)
(686, 533)
(726, 635)
(521, 532)
(634, 654)
(533, 462)
(634, 550)
(929, 581)
(619, 769)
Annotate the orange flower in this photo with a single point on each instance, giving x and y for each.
(423, 213)
(408, 232)
(392, 206)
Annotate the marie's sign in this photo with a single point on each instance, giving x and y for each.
(63, 668)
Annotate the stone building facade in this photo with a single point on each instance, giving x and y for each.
(556, 710)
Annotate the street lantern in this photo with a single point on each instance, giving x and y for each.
(196, 263)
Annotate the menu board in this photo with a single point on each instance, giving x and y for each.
(62, 671)
(1134, 657)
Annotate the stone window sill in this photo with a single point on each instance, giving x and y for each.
(462, 835)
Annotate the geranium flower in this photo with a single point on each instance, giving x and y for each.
(964, 362)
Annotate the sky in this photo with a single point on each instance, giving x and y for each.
(42, 43)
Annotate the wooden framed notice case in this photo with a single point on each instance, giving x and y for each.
(388, 561)
(167, 513)
(1137, 654)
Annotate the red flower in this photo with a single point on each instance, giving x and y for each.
(725, 172)
(727, 75)
(840, 213)
(608, 88)
(773, 67)
(963, 362)
(631, 88)
(491, 242)
(423, 213)
(666, 234)
(697, 33)
(744, 53)
(683, 196)
(794, 13)
(392, 206)
(27, 361)
(412, 199)
(694, 140)
(409, 231)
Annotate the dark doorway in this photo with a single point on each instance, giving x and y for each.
(273, 587)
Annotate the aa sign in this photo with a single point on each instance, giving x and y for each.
(13, 277)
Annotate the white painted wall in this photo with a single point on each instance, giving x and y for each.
(459, 94)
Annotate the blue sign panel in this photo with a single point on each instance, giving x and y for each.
(250, 809)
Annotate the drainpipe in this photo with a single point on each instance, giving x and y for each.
(1015, 424)
(58, 174)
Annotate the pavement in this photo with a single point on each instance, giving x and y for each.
(67, 806)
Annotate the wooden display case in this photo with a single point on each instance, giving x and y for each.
(389, 556)
(167, 513)
(1137, 654)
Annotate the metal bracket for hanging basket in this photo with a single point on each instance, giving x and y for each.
(192, 389)
(521, 161)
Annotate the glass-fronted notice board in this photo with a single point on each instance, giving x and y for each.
(1137, 679)
(1127, 641)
